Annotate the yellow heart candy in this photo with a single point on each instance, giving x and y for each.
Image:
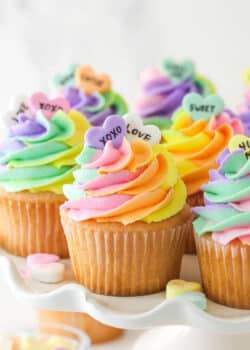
(246, 76)
(240, 142)
(176, 287)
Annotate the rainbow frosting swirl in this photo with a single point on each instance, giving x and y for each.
(38, 153)
(124, 181)
(195, 145)
(161, 96)
(96, 105)
(226, 213)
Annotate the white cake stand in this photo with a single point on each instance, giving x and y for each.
(217, 325)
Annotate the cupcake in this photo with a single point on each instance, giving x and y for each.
(222, 228)
(195, 140)
(37, 156)
(89, 93)
(163, 89)
(98, 332)
(126, 216)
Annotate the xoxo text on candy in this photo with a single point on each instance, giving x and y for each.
(113, 129)
(49, 107)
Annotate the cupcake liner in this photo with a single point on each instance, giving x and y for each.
(137, 259)
(98, 332)
(225, 271)
(30, 223)
(194, 200)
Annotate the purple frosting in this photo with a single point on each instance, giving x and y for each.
(26, 127)
(168, 96)
(245, 118)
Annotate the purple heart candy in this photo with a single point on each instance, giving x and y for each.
(113, 129)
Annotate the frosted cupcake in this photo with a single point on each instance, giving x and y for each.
(163, 89)
(125, 220)
(37, 157)
(223, 228)
(89, 93)
(201, 130)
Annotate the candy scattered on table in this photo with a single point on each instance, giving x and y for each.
(27, 342)
(190, 291)
(45, 268)
(176, 287)
(197, 298)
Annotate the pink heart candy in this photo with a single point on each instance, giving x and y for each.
(41, 259)
(49, 107)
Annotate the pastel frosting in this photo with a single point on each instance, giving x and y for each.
(226, 213)
(96, 106)
(38, 153)
(127, 183)
(160, 97)
(195, 146)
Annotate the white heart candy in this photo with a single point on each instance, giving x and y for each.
(18, 104)
(136, 129)
(48, 273)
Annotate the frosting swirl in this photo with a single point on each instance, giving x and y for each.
(97, 105)
(195, 146)
(160, 97)
(39, 153)
(227, 210)
(125, 183)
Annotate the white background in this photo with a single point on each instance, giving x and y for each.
(41, 37)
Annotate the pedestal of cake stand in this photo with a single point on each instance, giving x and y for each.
(181, 337)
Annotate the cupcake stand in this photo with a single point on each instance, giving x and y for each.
(182, 324)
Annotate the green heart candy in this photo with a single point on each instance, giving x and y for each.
(178, 72)
(65, 79)
(200, 107)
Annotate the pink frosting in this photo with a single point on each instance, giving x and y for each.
(224, 118)
(226, 236)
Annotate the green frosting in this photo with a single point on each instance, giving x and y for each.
(46, 159)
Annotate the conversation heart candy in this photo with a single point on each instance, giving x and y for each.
(49, 107)
(67, 78)
(136, 129)
(240, 142)
(41, 259)
(178, 72)
(57, 342)
(200, 107)
(176, 287)
(18, 105)
(113, 129)
(91, 82)
(197, 298)
(48, 273)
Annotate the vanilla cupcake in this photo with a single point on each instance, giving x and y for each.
(98, 332)
(201, 129)
(125, 219)
(89, 93)
(163, 89)
(37, 156)
(222, 228)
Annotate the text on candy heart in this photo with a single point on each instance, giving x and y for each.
(245, 145)
(22, 108)
(176, 70)
(91, 79)
(202, 108)
(113, 134)
(137, 132)
(68, 77)
(49, 107)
